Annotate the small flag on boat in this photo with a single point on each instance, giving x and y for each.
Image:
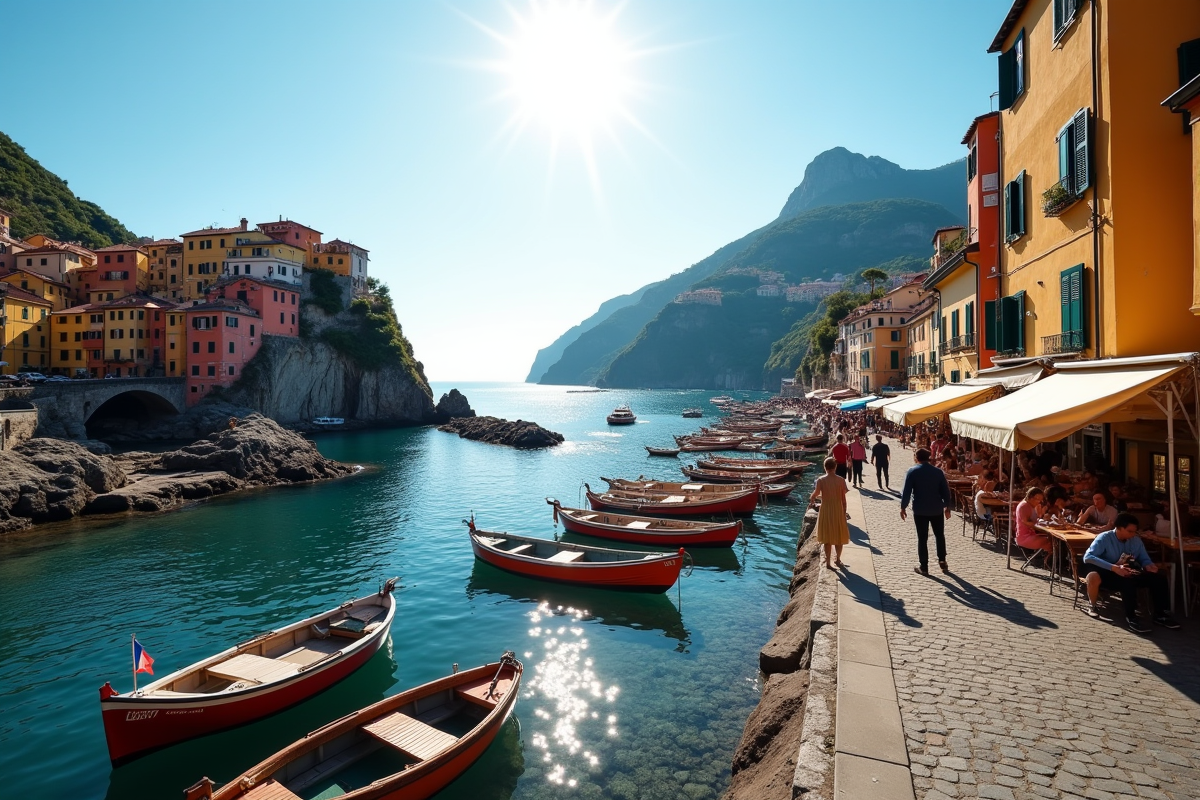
(142, 662)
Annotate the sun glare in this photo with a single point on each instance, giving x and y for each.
(568, 69)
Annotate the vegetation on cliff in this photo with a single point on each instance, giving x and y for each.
(373, 339)
(324, 293)
(41, 202)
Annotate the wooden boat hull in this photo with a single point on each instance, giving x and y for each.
(643, 572)
(418, 781)
(743, 504)
(671, 452)
(605, 526)
(750, 466)
(137, 725)
(723, 476)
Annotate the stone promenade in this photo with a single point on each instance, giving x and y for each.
(1007, 692)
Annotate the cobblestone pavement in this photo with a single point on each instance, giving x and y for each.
(1007, 692)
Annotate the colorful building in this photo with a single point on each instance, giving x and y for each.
(1084, 270)
(56, 263)
(203, 257)
(59, 294)
(222, 336)
(876, 349)
(134, 336)
(9, 247)
(924, 371)
(175, 341)
(86, 257)
(277, 303)
(343, 258)
(295, 234)
(122, 269)
(254, 253)
(77, 341)
(166, 268)
(24, 330)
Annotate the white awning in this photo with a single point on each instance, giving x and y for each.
(917, 408)
(875, 405)
(1079, 394)
(1008, 377)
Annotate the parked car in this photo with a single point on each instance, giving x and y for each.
(33, 377)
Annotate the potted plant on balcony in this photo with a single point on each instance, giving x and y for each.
(1055, 199)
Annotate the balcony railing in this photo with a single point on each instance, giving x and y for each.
(1059, 197)
(957, 344)
(952, 247)
(1065, 342)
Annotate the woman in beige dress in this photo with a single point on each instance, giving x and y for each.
(832, 530)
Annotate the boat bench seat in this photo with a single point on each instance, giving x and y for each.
(490, 541)
(566, 556)
(410, 736)
(521, 548)
(639, 524)
(253, 669)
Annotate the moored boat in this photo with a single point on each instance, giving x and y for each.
(765, 488)
(730, 464)
(564, 562)
(432, 733)
(693, 413)
(733, 476)
(662, 451)
(655, 531)
(248, 681)
(621, 415)
(329, 422)
(673, 505)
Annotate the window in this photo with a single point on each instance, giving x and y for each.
(195, 347)
(954, 376)
(281, 317)
(212, 371)
(1012, 72)
(62, 337)
(972, 160)
(1064, 15)
(1071, 298)
(231, 347)
(1014, 208)
(64, 355)
(895, 359)
(864, 359)
(895, 336)
(120, 259)
(78, 355)
(1074, 170)
(141, 353)
(252, 331)
(1010, 324)
(954, 323)
(212, 347)
(190, 245)
(196, 372)
(116, 355)
(230, 369)
(969, 322)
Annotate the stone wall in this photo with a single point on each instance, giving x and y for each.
(17, 425)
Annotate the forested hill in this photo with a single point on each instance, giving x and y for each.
(41, 202)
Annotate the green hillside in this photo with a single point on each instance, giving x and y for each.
(41, 202)
(549, 355)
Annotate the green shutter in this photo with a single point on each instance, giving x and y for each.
(1007, 65)
(969, 322)
(954, 324)
(1019, 205)
(1019, 66)
(1019, 314)
(1079, 127)
(1066, 155)
(1071, 299)
(1189, 61)
(895, 359)
(989, 324)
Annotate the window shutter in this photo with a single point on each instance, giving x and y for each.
(1019, 314)
(1019, 205)
(1007, 65)
(1189, 60)
(1066, 155)
(1082, 162)
(970, 318)
(989, 324)
(1059, 15)
(1019, 66)
(1071, 296)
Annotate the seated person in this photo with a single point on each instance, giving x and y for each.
(1028, 537)
(1118, 560)
(982, 510)
(1100, 513)
(1117, 493)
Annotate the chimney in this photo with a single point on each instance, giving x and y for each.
(245, 222)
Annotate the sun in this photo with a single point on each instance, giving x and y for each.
(568, 70)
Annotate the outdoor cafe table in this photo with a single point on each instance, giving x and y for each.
(1075, 539)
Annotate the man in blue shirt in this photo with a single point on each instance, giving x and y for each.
(926, 486)
(1117, 559)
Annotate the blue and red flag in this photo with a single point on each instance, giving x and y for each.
(142, 662)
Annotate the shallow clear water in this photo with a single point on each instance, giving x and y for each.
(625, 695)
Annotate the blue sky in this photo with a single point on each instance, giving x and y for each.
(389, 124)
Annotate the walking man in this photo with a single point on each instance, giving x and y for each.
(881, 457)
(841, 454)
(925, 485)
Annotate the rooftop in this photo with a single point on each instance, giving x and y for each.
(214, 231)
(86, 308)
(282, 221)
(1006, 27)
(32, 274)
(975, 124)
(21, 294)
(112, 248)
(224, 304)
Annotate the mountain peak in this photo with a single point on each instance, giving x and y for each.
(839, 176)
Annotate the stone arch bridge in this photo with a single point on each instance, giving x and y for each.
(87, 407)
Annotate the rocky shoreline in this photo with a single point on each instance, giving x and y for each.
(764, 764)
(50, 480)
(493, 430)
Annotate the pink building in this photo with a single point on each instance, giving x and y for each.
(277, 303)
(222, 336)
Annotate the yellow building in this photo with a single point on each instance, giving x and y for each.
(921, 336)
(876, 346)
(59, 294)
(85, 256)
(77, 341)
(24, 330)
(203, 256)
(256, 254)
(165, 261)
(175, 341)
(954, 281)
(343, 258)
(1186, 101)
(1096, 188)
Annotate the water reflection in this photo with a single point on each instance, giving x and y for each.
(495, 775)
(574, 709)
(226, 755)
(642, 612)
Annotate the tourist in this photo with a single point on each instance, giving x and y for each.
(1100, 513)
(1118, 561)
(1117, 493)
(841, 455)
(926, 486)
(1027, 514)
(881, 457)
(858, 454)
(832, 531)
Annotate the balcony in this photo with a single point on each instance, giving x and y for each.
(1059, 197)
(957, 344)
(950, 248)
(1065, 342)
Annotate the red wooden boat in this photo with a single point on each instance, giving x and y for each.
(733, 476)
(673, 505)
(753, 465)
(765, 489)
(248, 681)
(655, 531)
(420, 729)
(563, 562)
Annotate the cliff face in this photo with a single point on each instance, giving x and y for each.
(294, 380)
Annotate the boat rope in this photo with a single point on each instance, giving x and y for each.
(508, 659)
(689, 562)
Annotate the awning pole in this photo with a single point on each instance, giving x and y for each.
(1172, 500)
(1012, 472)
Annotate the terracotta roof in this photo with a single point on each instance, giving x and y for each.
(1006, 27)
(112, 248)
(69, 246)
(21, 294)
(37, 275)
(161, 243)
(50, 249)
(289, 222)
(86, 308)
(975, 124)
(348, 244)
(224, 304)
(226, 280)
(215, 231)
(133, 300)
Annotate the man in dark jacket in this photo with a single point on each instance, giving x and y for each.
(926, 486)
(881, 457)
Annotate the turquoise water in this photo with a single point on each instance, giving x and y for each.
(625, 695)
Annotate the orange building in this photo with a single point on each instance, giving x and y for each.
(203, 256)
(77, 341)
(344, 258)
(59, 294)
(295, 234)
(165, 265)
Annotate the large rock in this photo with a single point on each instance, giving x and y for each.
(44, 480)
(453, 404)
(493, 430)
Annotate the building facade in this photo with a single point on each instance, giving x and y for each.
(222, 336)
(165, 268)
(24, 331)
(924, 371)
(876, 350)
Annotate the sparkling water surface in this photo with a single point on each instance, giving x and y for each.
(624, 696)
